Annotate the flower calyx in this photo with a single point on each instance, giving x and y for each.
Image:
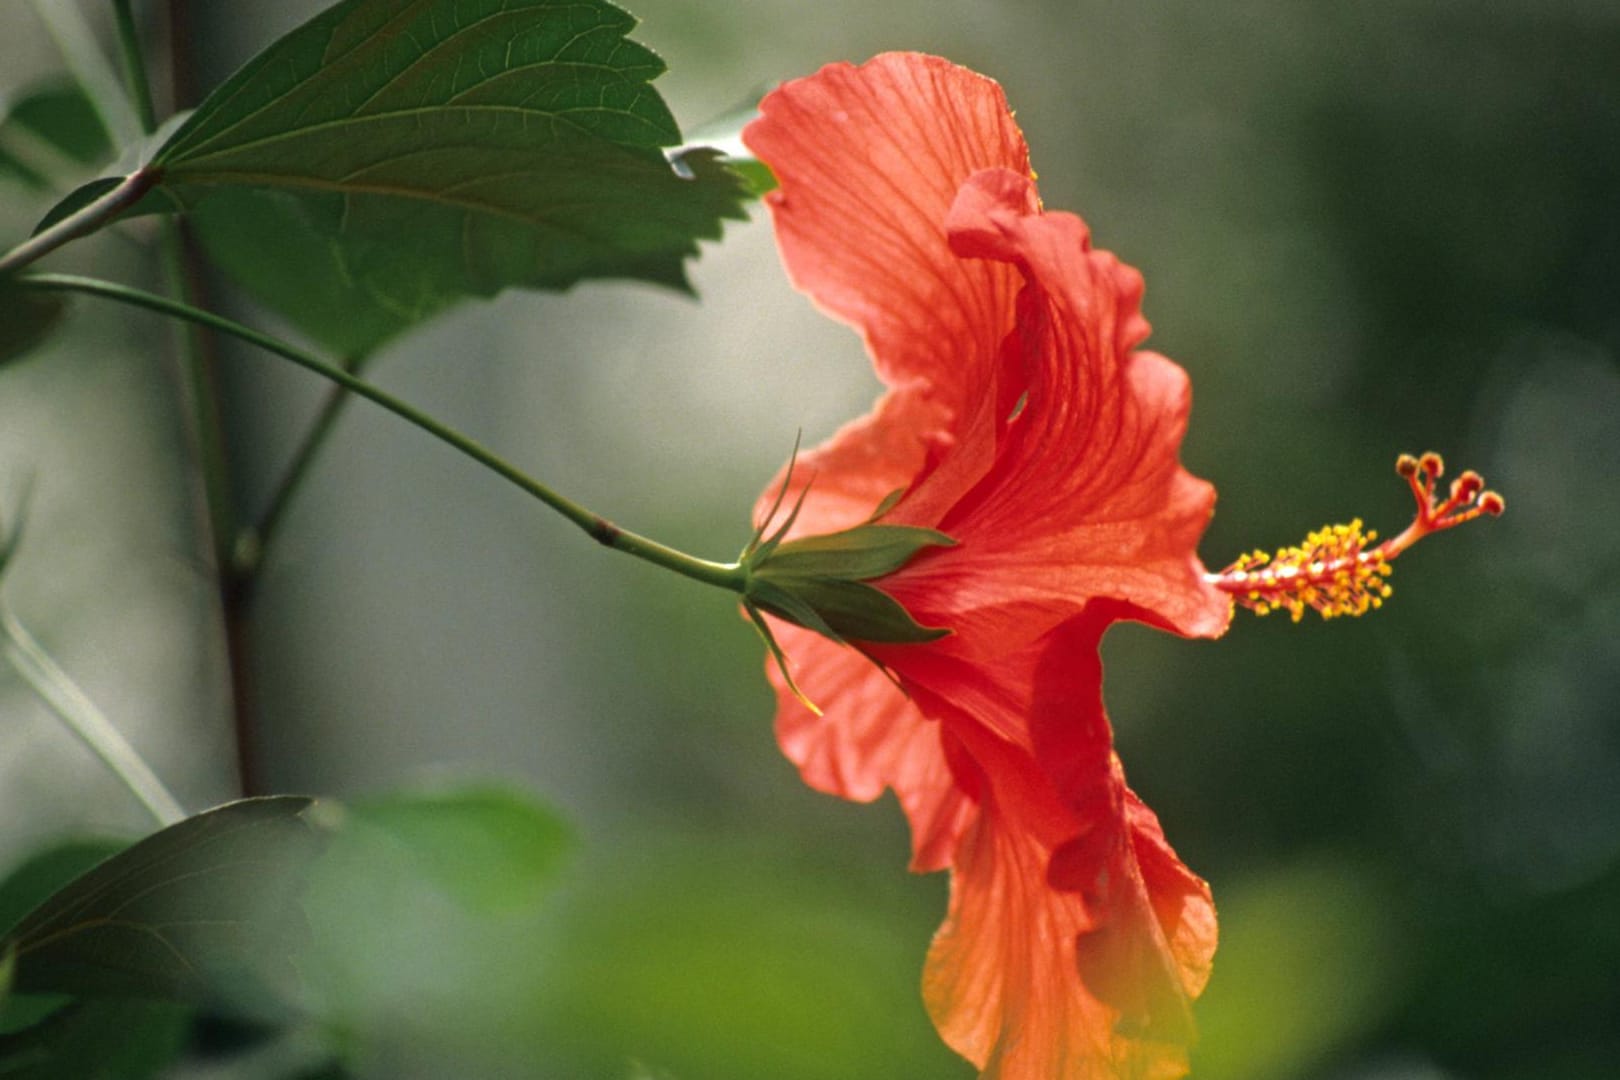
(823, 582)
(1342, 570)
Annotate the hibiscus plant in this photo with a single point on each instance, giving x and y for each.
(931, 584)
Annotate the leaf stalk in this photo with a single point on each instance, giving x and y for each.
(730, 576)
(87, 219)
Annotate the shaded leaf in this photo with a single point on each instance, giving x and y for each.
(47, 126)
(19, 1012)
(487, 848)
(426, 928)
(27, 318)
(387, 159)
(201, 911)
(43, 873)
(108, 1039)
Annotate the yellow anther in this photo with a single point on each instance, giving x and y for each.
(1343, 570)
(1334, 572)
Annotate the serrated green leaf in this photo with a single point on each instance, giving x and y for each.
(201, 911)
(27, 318)
(404, 156)
(48, 126)
(724, 133)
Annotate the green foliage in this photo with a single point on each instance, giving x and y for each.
(24, 889)
(733, 961)
(489, 849)
(200, 912)
(426, 927)
(109, 1039)
(48, 127)
(42, 874)
(48, 1036)
(381, 162)
(112, 952)
(26, 319)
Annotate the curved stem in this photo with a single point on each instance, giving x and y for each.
(729, 576)
(79, 713)
(82, 222)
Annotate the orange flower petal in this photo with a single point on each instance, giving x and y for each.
(1074, 941)
(861, 465)
(1087, 497)
(869, 160)
(1024, 982)
(1076, 938)
(871, 737)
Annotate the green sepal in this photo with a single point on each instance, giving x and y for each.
(859, 554)
(847, 611)
(819, 582)
(775, 649)
(890, 501)
(788, 605)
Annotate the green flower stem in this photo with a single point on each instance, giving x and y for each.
(135, 77)
(81, 716)
(731, 576)
(87, 219)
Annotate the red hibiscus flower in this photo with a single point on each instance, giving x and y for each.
(1023, 422)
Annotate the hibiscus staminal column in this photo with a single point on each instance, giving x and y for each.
(1339, 569)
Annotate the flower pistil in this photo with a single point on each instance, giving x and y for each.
(1339, 569)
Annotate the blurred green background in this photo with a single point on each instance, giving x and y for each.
(1366, 228)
